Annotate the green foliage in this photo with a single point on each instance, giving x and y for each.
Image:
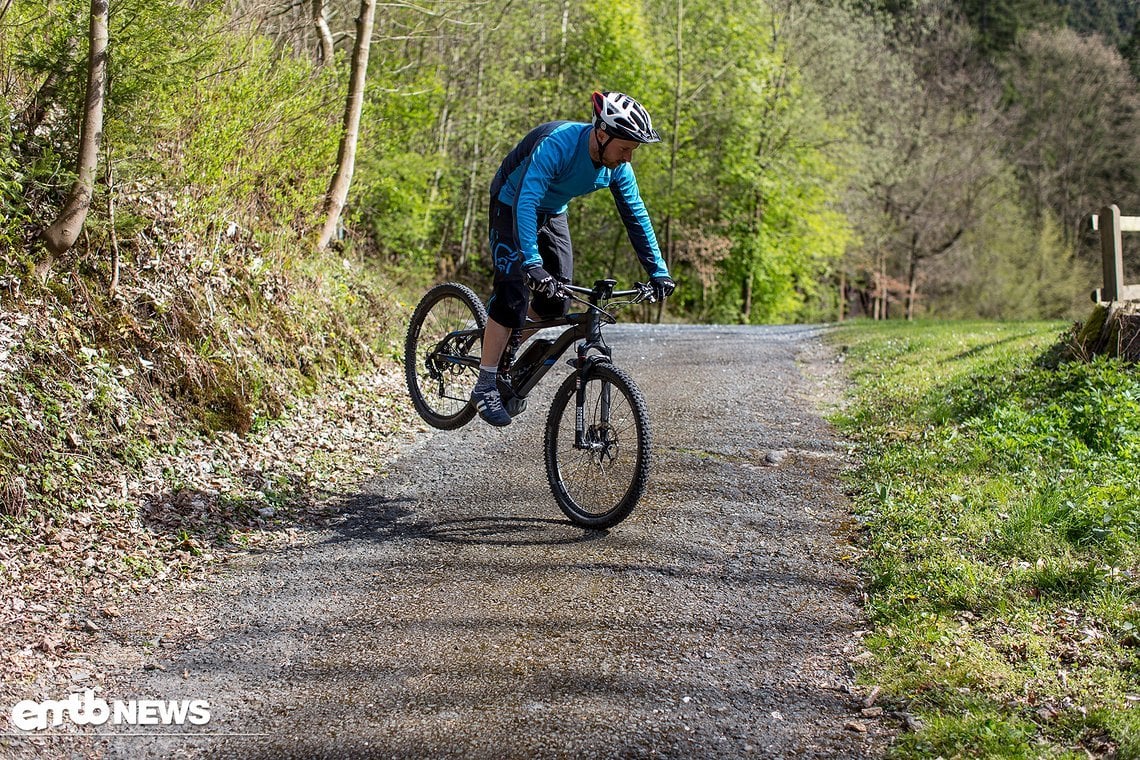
(392, 196)
(11, 187)
(255, 136)
(970, 734)
(749, 166)
(48, 43)
(781, 263)
(610, 50)
(1115, 20)
(394, 202)
(998, 23)
(158, 48)
(1000, 517)
(800, 140)
(1131, 52)
(1012, 268)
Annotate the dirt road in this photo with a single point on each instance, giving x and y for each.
(452, 612)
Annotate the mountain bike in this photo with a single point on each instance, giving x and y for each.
(597, 438)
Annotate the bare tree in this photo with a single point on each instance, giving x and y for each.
(337, 193)
(469, 215)
(678, 94)
(64, 231)
(1074, 113)
(932, 145)
(948, 162)
(324, 34)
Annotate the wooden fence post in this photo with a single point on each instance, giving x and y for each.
(1110, 224)
(1112, 253)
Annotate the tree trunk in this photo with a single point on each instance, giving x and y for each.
(443, 139)
(842, 295)
(562, 42)
(746, 297)
(880, 303)
(64, 231)
(1113, 329)
(38, 107)
(912, 283)
(467, 235)
(670, 234)
(354, 105)
(753, 254)
(324, 34)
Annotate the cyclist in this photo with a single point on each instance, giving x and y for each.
(529, 234)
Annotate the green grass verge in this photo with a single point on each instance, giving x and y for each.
(999, 499)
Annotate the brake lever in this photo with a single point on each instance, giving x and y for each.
(645, 292)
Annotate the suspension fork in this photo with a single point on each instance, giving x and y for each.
(585, 364)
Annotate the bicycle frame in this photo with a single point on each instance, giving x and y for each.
(597, 441)
(585, 326)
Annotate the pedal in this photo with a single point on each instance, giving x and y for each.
(515, 405)
(512, 403)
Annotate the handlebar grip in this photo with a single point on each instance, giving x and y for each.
(646, 291)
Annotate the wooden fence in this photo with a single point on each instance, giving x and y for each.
(1111, 224)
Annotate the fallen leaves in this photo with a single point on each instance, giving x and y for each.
(180, 511)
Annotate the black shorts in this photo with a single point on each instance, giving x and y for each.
(511, 296)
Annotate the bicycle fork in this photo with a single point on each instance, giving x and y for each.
(594, 438)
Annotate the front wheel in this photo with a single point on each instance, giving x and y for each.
(441, 354)
(598, 477)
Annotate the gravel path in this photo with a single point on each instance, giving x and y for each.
(452, 612)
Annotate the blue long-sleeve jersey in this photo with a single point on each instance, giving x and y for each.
(552, 165)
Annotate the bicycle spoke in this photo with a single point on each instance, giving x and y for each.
(444, 335)
(601, 477)
(452, 393)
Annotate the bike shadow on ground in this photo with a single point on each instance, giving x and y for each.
(369, 517)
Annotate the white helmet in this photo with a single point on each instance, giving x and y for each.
(623, 117)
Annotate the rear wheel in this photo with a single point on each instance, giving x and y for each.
(445, 334)
(598, 480)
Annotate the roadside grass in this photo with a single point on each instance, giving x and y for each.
(999, 499)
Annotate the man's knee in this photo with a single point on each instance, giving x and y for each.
(508, 304)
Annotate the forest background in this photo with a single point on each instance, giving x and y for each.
(821, 158)
(886, 157)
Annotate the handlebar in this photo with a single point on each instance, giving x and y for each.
(602, 291)
(641, 291)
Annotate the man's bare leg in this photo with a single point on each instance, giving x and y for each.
(495, 338)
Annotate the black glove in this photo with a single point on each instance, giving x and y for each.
(662, 287)
(543, 282)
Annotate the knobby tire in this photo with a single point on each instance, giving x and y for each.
(598, 489)
(439, 389)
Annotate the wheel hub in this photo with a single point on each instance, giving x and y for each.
(602, 443)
